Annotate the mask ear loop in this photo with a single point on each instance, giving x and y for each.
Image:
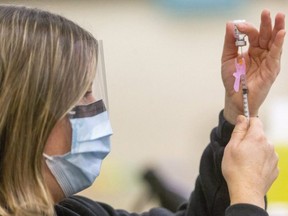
(100, 82)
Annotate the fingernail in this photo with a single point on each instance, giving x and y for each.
(240, 25)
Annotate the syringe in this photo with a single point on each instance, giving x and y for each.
(245, 97)
(240, 42)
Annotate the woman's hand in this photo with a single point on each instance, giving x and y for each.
(262, 63)
(249, 164)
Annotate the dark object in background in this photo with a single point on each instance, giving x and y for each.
(168, 197)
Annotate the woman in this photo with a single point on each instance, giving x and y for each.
(54, 134)
(47, 65)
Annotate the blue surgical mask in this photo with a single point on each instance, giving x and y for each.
(91, 131)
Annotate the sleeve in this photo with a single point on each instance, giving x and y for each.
(245, 209)
(210, 196)
(82, 206)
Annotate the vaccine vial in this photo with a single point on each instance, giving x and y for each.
(239, 36)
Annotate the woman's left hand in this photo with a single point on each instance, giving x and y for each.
(262, 63)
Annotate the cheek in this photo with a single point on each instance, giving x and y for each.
(59, 141)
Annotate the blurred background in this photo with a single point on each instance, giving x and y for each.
(165, 90)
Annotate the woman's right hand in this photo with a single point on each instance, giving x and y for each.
(249, 164)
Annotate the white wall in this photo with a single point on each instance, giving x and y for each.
(164, 85)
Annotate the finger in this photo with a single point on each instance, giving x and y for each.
(251, 31)
(265, 29)
(278, 26)
(275, 52)
(240, 129)
(230, 51)
(274, 165)
(255, 128)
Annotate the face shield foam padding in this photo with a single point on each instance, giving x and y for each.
(99, 87)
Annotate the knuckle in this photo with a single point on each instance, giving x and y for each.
(276, 156)
(277, 171)
(261, 138)
(272, 148)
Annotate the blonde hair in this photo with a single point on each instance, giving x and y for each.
(46, 65)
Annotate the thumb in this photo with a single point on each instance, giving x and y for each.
(240, 129)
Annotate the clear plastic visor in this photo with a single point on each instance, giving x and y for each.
(96, 99)
(99, 87)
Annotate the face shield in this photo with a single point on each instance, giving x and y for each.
(90, 144)
(99, 87)
(96, 101)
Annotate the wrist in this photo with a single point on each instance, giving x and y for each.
(248, 196)
(231, 112)
(260, 202)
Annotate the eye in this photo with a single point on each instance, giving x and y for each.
(88, 94)
(88, 98)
